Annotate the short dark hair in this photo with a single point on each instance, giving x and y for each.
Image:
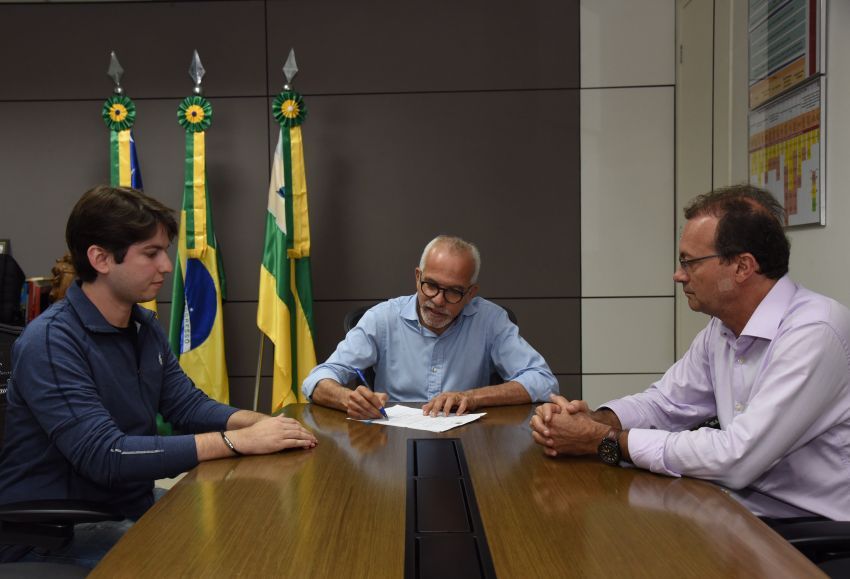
(750, 220)
(113, 218)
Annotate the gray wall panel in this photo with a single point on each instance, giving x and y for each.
(553, 327)
(62, 51)
(570, 385)
(242, 393)
(388, 46)
(44, 170)
(242, 340)
(389, 172)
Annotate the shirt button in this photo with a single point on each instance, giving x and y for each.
(434, 370)
(738, 407)
(740, 360)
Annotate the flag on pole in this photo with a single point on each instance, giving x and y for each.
(197, 328)
(285, 304)
(119, 114)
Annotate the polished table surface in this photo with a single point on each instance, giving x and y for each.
(339, 511)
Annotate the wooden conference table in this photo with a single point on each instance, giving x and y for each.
(339, 511)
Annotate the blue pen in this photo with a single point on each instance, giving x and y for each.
(366, 384)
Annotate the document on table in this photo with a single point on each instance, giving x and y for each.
(406, 417)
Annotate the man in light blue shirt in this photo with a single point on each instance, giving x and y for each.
(441, 345)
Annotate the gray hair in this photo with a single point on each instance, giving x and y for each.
(455, 245)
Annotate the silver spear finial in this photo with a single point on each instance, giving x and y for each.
(115, 71)
(197, 72)
(290, 69)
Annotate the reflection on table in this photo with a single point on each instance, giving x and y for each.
(339, 510)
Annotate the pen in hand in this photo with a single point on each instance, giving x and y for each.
(366, 384)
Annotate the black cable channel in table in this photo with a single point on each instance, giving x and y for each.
(444, 536)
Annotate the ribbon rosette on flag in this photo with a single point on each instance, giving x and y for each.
(119, 114)
(285, 305)
(197, 328)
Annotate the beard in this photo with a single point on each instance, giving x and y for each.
(435, 316)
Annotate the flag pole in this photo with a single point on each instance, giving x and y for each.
(259, 370)
(290, 69)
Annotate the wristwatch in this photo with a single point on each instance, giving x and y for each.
(609, 448)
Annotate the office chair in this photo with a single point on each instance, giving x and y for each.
(44, 524)
(826, 543)
(352, 317)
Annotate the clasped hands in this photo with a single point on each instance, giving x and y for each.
(363, 403)
(564, 427)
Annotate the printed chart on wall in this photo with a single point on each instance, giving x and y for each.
(785, 153)
(784, 43)
(786, 97)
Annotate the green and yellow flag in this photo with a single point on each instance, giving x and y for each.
(285, 308)
(119, 114)
(197, 326)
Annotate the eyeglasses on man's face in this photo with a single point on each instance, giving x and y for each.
(450, 294)
(686, 264)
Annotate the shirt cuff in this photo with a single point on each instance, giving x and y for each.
(537, 386)
(154, 457)
(628, 418)
(224, 413)
(181, 452)
(646, 448)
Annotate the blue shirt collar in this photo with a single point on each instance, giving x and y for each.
(411, 316)
(91, 317)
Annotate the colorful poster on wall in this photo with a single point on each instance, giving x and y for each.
(786, 154)
(784, 46)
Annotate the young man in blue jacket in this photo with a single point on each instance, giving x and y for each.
(91, 373)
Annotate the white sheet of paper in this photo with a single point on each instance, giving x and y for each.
(406, 417)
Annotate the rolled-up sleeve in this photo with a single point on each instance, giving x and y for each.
(358, 350)
(516, 360)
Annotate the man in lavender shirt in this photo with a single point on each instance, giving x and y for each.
(773, 364)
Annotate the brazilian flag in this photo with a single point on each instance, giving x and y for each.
(197, 327)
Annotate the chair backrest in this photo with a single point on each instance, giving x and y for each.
(11, 283)
(44, 524)
(8, 335)
(352, 317)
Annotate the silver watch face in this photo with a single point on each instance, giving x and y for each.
(609, 451)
